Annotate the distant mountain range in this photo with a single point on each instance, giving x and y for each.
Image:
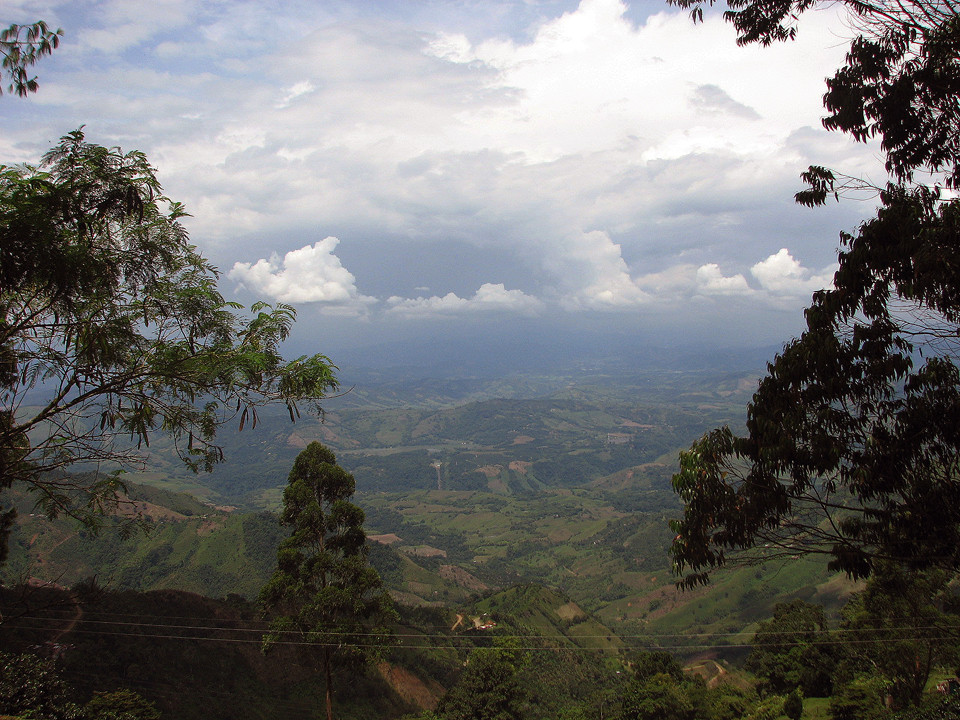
(537, 351)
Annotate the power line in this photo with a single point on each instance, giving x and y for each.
(404, 640)
(68, 606)
(264, 627)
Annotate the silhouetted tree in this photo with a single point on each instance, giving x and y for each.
(21, 46)
(851, 447)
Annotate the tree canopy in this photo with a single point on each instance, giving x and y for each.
(112, 330)
(905, 626)
(658, 697)
(489, 687)
(852, 446)
(660, 690)
(792, 650)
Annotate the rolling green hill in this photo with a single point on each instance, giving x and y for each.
(569, 438)
(440, 548)
(570, 492)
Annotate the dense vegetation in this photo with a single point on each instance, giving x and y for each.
(522, 539)
(527, 651)
(476, 553)
(851, 442)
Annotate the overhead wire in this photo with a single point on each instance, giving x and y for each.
(231, 624)
(421, 640)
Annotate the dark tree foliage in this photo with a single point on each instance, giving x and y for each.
(31, 686)
(793, 651)
(852, 448)
(120, 705)
(905, 624)
(658, 697)
(793, 705)
(661, 690)
(648, 663)
(323, 591)
(939, 707)
(726, 702)
(21, 46)
(112, 330)
(861, 699)
(489, 688)
(852, 443)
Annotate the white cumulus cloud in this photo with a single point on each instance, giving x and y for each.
(312, 274)
(782, 274)
(592, 267)
(711, 281)
(488, 298)
(601, 158)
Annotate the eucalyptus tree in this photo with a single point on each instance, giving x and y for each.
(323, 590)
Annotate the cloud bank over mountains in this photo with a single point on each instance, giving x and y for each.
(468, 160)
(314, 274)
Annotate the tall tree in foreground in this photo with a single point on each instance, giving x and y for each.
(112, 330)
(852, 447)
(323, 590)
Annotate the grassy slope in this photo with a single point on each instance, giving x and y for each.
(445, 548)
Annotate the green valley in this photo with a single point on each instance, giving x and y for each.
(570, 491)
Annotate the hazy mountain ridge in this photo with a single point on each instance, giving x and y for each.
(568, 438)
(536, 352)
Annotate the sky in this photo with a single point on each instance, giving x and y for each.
(408, 171)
